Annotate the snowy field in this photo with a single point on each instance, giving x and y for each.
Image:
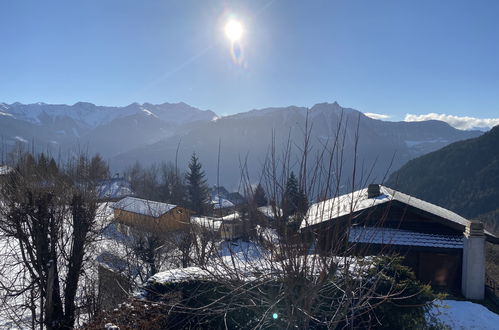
(459, 315)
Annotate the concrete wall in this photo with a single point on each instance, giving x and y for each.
(473, 283)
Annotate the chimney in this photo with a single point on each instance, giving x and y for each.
(373, 191)
(473, 276)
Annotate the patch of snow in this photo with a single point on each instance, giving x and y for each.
(18, 138)
(247, 251)
(6, 114)
(149, 113)
(5, 169)
(179, 275)
(464, 315)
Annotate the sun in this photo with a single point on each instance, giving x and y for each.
(234, 30)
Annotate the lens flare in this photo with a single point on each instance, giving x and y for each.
(234, 30)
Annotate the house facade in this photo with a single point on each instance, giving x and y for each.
(441, 247)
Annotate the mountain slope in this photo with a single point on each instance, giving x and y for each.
(151, 133)
(249, 136)
(463, 177)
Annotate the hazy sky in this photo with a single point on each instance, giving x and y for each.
(386, 57)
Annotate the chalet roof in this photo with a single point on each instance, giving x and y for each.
(214, 223)
(358, 200)
(143, 206)
(211, 223)
(221, 203)
(114, 189)
(392, 236)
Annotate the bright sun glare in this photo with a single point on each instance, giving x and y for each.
(233, 30)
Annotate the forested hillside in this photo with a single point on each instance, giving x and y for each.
(463, 177)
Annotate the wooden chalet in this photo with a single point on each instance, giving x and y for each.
(442, 248)
(151, 216)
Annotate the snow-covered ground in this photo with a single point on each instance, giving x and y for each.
(459, 315)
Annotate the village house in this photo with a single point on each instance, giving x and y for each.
(222, 206)
(151, 216)
(234, 197)
(228, 227)
(442, 248)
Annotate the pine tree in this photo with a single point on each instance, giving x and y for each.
(42, 162)
(196, 185)
(259, 197)
(294, 199)
(290, 197)
(52, 169)
(98, 168)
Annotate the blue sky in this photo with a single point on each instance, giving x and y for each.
(385, 57)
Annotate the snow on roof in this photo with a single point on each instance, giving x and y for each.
(214, 223)
(232, 216)
(5, 169)
(345, 204)
(143, 206)
(392, 236)
(268, 211)
(207, 222)
(221, 203)
(114, 188)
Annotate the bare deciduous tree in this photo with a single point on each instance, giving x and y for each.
(48, 218)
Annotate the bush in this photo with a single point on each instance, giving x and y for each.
(410, 299)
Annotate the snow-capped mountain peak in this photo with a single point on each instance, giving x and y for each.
(90, 116)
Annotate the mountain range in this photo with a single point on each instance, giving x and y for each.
(151, 133)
